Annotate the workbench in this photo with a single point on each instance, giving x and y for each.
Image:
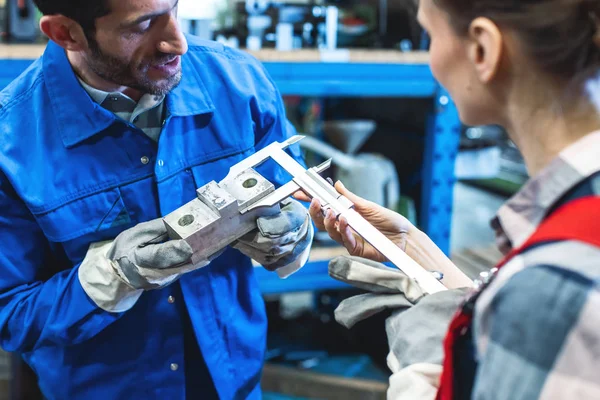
(354, 73)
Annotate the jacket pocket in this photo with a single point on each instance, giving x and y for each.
(95, 213)
(216, 169)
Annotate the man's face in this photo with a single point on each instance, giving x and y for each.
(139, 45)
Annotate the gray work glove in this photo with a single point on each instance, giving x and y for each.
(115, 273)
(281, 242)
(418, 324)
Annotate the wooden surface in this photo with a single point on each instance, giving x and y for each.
(476, 260)
(32, 51)
(351, 56)
(307, 384)
(21, 51)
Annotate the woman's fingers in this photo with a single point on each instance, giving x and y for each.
(339, 231)
(316, 214)
(301, 196)
(331, 225)
(358, 201)
(339, 186)
(347, 235)
(326, 222)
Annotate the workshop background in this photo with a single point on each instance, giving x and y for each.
(355, 78)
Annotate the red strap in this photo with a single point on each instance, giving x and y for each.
(577, 220)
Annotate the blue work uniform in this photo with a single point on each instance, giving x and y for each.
(73, 173)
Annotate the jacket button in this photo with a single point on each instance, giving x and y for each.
(174, 367)
(171, 299)
(145, 160)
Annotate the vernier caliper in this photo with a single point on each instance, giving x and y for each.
(225, 211)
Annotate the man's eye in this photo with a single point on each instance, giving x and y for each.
(144, 26)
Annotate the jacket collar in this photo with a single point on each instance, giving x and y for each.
(191, 96)
(521, 215)
(79, 117)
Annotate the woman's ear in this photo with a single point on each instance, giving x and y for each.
(485, 48)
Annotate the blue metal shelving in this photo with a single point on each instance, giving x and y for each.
(352, 79)
(364, 80)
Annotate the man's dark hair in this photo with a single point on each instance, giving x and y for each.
(84, 12)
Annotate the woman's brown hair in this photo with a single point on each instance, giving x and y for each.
(562, 36)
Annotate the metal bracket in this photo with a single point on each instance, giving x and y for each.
(225, 211)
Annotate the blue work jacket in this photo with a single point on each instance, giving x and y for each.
(72, 173)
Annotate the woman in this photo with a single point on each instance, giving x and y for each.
(532, 66)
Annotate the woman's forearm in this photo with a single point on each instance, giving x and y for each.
(425, 252)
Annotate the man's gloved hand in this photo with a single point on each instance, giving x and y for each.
(282, 242)
(115, 273)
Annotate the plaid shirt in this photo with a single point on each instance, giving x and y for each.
(146, 114)
(537, 326)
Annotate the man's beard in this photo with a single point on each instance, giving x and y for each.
(115, 70)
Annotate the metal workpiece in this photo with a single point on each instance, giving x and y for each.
(225, 211)
(214, 219)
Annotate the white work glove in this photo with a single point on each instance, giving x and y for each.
(282, 242)
(415, 328)
(115, 273)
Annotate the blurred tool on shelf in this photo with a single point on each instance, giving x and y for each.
(198, 17)
(258, 24)
(370, 176)
(317, 24)
(19, 21)
(490, 160)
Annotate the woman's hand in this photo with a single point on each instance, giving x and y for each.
(394, 226)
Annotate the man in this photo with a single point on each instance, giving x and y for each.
(116, 125)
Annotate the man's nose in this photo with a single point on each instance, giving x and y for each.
(173, 41)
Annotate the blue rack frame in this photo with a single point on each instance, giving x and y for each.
(364, 80)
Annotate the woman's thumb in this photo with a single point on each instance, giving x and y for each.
(358, 201)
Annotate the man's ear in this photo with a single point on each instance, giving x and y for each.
(485, 48)
(65, 32)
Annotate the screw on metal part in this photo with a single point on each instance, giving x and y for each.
(330, 181)
(186, 220)
(249, 183)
